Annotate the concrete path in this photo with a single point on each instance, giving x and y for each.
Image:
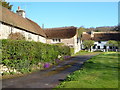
(47, 78)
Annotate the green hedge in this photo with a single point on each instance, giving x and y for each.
(23, 54)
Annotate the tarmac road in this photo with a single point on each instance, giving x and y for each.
(47, 78)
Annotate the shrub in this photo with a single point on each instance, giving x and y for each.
(72, 51)
(88, 44)
(22, 55)
(16, 36)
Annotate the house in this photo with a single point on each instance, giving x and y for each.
(17, 22)
(66, 35)
(11, 22)
(100, 39)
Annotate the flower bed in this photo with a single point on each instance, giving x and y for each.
(24, 55)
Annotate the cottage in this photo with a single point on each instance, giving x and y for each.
(17, 22)
(100, 39)
(66, 35)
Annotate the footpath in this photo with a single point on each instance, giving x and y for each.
(48, 78)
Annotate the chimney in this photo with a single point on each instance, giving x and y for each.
(42, 26)
(92, 34)
(20, 12)
(18, 7)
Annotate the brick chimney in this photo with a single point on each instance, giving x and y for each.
(20, 12)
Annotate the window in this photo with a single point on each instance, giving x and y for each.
(53, 40)
(110, 47)
(56, 40)
(98, 47)
(78, 39)
(94, 47)
(59, 40)
(116, 48)
(99, 41)
(104, 47)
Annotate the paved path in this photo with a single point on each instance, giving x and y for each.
(47, 78)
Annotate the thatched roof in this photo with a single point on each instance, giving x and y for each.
(86, 36)
(62, 33)
(102, 36)
(10, 18)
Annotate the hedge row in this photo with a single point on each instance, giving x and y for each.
(21, 54)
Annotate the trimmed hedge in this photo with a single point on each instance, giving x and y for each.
(21, 54)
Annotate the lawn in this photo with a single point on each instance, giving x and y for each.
(86, 53)
(101, 71)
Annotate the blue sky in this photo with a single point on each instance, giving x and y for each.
(61, 14)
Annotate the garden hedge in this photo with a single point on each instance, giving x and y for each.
(22, 54)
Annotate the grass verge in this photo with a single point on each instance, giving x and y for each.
(101, 71)
(86, 53)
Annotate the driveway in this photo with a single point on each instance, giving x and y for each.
(47, 78)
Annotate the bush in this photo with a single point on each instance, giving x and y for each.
(72, 51)
(22, 55)
(16, 36)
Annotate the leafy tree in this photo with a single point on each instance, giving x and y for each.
(88, 44)
(118, 45)
(112, 43)
(80, 31)
(6, 4)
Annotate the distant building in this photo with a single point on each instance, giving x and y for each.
(100, 39)
(66, 35)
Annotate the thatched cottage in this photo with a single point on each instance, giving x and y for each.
(100, 39)
(11, 22)
(17, 22)
(66, 35)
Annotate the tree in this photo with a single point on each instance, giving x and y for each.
(6, 4)
(80, 31)
(112, 43)
(88, 44)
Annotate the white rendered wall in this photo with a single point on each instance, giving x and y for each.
(76, 45)
(42, 39)
(5, 30)
(102, 44)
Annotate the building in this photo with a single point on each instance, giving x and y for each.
(66, 35)
(17, 22)
(11, 22)
(100, 39)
